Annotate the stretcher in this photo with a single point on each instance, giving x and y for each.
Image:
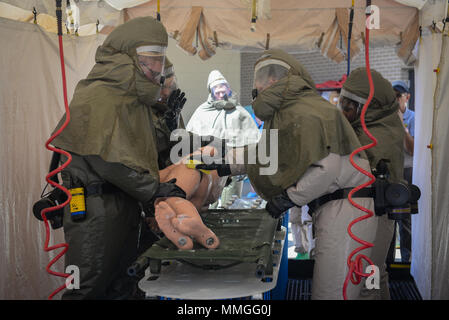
(245, 264)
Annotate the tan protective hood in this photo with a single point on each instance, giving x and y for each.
(110, 109)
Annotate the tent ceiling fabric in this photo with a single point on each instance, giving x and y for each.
(295, 26)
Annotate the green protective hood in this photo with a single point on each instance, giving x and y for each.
(309, 128)
(110, 109)
(296, 68)
(381, 119)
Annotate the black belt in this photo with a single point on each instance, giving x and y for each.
(100, 188)
(337, 195)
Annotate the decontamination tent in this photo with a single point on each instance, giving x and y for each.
(31, 99)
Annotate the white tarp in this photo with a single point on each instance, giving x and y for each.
(31, 104)
(430, 228)
(440, 180)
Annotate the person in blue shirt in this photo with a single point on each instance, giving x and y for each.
(408, 120)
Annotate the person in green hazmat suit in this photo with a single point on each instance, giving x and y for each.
(112, 141)
(384, 124)
(314, 141)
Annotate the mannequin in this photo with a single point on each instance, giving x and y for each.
(179, 218)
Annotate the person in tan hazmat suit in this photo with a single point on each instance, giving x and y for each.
(384, 124)
(314, 143)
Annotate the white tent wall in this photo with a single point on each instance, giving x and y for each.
(430, 239)
(440, 179)
(192, 74)
(31, 104)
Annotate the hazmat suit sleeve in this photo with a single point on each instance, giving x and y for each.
(326, 176)
(140, 186)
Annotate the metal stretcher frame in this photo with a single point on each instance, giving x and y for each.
(246, 262)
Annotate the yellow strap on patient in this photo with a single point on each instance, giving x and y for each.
(191, 164)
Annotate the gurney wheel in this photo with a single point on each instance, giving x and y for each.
(155, 266)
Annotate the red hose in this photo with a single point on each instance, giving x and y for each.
(64, 246)
(355, 272)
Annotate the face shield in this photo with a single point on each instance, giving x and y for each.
(346, 96)
(350, 104)
(268, 72)
(151, 61)
(221, 91)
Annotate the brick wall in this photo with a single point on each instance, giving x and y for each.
(321, 69)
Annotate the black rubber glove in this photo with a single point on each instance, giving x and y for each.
(176, 100)
(222, 169)
(279, 204)
(175, 103)
(165, 190)
(169, 189)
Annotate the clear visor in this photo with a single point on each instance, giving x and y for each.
(151, 62)
(221, 91)
(346, 104)
(350, 95)
(266, 70)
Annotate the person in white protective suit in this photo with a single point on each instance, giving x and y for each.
(314, 145)
(223, 117)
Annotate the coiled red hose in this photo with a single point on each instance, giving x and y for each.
(64, 246)
(355, 266)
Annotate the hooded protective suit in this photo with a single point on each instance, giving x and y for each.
(384, 124)
(309, 128)
(314, 143)
(112, 142)
(381, 120)
(223, 119)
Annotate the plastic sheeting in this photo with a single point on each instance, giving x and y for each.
(90, 10)
(31, 104)
(440, 179)
(430, 228)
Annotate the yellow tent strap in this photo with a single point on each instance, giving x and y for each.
(158, 10)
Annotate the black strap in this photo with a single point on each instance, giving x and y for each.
(100, 188)
(337, 195)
